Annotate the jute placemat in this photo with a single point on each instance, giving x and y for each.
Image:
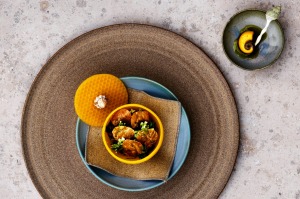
(49, 119)
(158, 167)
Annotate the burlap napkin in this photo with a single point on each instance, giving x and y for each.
(158, 167)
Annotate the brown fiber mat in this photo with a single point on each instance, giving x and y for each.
(49, 120)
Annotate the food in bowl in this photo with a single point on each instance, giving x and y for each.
(132, 133)
(246, 42)
(244, 46)
(265, 53)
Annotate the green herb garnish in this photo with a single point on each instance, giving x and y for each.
(118, 146)
(151, 125)
(144, 126)
(122, 123)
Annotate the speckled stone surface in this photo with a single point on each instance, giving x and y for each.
(268, 163)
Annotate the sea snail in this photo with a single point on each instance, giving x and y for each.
(245, 42)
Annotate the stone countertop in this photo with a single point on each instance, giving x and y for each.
(268, 163)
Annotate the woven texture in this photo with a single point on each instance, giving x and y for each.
(159, 166)
(49, 118)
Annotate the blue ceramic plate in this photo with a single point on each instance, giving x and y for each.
(269, 49)
(157, 90)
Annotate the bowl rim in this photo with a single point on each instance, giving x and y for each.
(263, 67)
(155, 150)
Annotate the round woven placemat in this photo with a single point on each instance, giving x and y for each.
(49, 119)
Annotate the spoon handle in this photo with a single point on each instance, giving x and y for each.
(262, 32)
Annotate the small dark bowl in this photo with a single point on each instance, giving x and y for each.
(269, 49)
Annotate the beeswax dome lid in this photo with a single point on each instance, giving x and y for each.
(97, 96)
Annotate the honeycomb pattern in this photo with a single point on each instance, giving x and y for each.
(101, 84)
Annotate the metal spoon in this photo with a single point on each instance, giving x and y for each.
(271, 15)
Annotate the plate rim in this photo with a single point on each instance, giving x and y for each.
(260, 68)
(160, 182)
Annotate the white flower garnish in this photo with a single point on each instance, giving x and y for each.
(100, 101)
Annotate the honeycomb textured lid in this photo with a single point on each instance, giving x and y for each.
(101, 84)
